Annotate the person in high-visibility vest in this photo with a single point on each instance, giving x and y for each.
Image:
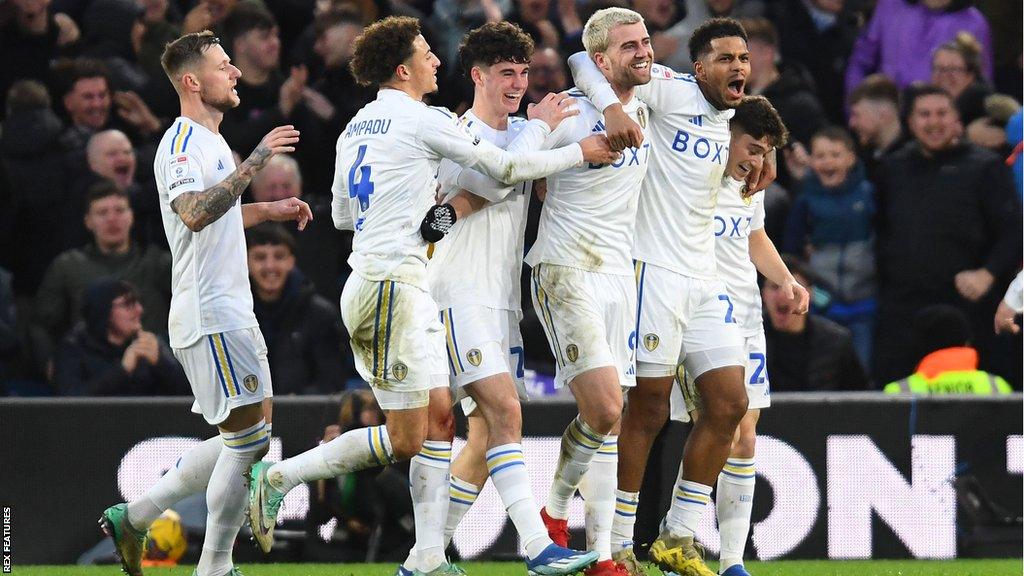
(949, 364)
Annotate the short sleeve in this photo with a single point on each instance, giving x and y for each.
(183, 173)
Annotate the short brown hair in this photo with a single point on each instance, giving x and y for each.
(835, 134)
(103, 189)
(495, 42)
(186, 52)
(757, 117)
(877, 88)
(381, 48)
(269, 234)
(761, 29)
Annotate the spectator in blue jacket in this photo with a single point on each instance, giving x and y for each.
(831, 225)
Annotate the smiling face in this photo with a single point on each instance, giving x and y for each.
(217, 78)
(503, 84)
(950, 72)
(88, 102)
(269, 267)
(934, 122)
(627, 61)
(746, 154)
(723, 71)
(831, 161)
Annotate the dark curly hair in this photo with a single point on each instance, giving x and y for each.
(381, 48)
(757, 117)
(495, 42)
(700, 42)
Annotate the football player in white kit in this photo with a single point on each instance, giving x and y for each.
(583, 285)
(685, 312)
(474, 277)
(213, 331)
(743, 249)
(388, 157)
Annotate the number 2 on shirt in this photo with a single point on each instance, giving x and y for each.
(359, 183)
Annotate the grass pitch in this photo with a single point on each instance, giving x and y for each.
(781, 568)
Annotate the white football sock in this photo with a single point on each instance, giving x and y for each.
(508, 472)
(734, 501)
(429, 485)
(598, 491)
(579, 444)
(189, 476)
(226, 496)
(625, 518)
(352, 451)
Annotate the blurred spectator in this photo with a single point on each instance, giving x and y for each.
(209, 15)
(301, 328)
(8, 324)
(335, 36)
(949, 231)
(1005, 18)
(948, 365)
(671, 40)
(34, 161)
(452, 19)
(110, 354)
(30, 40)
(1010, 307)
(903, 34)
(956, 68)
(1014, 138)
(819, 35)
(109, 156)
(373, 508)
(547, 74)
(831, 224)
(789, 87)
(534, 17)
(321, 249)
(875, 119)
(989, 131)
(806, 352)
(108, 217)
(269, 100)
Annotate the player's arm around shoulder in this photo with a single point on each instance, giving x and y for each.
(198, 209)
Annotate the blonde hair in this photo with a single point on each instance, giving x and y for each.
(600, 24)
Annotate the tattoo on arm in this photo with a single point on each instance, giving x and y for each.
(199, 209)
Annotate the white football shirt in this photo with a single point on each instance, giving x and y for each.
(210, 290)
(479, 261)
(690, 138)
(589, 211)
(385, 179)
(735, 219)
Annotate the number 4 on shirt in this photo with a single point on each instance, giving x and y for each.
(359, 183)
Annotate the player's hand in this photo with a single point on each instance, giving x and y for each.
(288, 210)
(623, 132)
(438, 222)
(147, 347)
(598, 150)
(280, 140)
(552, 109)
(797, 294)
(1006, 320)
(330, 433)
(974, 284)
(758, 180)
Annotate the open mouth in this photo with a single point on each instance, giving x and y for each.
(122, 170)
(512, 97)
(735, 89)
(641, 65)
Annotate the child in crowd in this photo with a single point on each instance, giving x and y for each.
(830, 225)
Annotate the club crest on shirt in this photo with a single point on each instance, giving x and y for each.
(251, 383)
(572, 352)
(475, 357)
(641, 117)
(651, 342)
(399, 370)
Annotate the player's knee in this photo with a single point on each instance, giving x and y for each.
(507, 416)
(725, 411)
(407, 443)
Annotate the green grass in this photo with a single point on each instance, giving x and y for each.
(787, 568)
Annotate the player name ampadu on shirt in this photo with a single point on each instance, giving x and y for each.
(479, 261)
(384, 180)
(210, 290)
(590, 211)
(690, 138)
(735, 219)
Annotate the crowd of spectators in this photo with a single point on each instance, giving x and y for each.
(901, 189)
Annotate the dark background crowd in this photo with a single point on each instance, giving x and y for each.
(899, 198)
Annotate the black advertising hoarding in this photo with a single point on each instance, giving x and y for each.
(839, 476)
